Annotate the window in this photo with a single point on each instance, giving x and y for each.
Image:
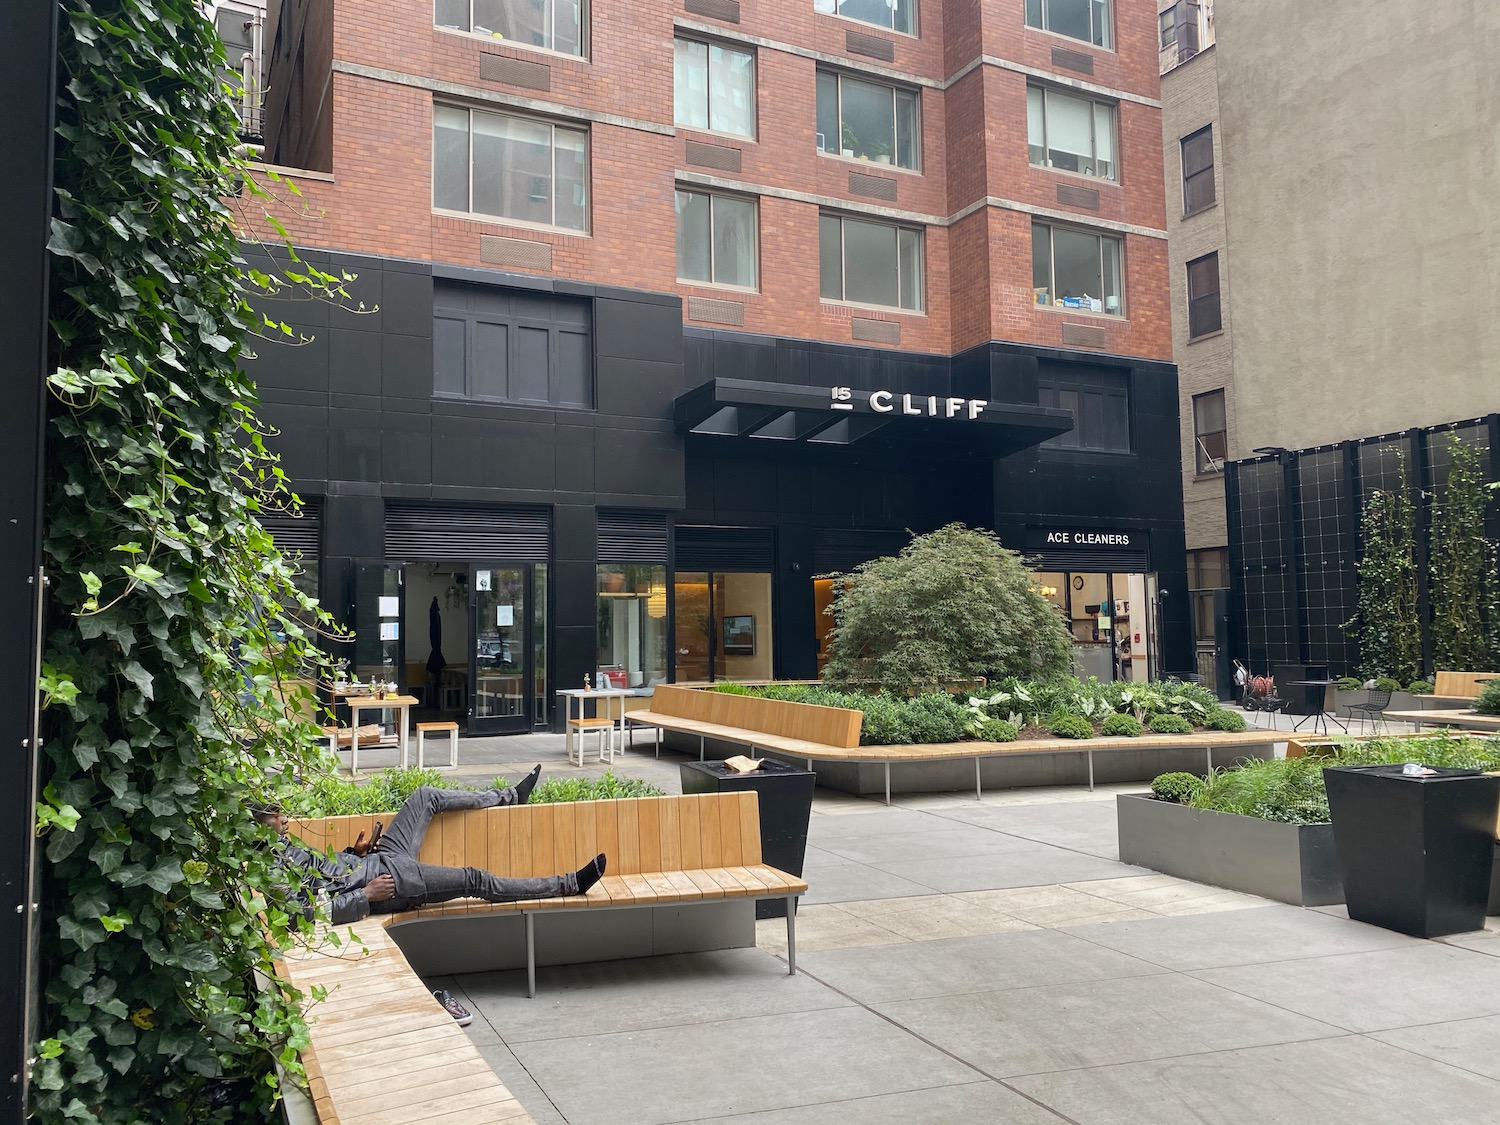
(715, 239)
(898, 15)
(507, 345)
(510, 167)
(1079, 19)
(1208, 570)
(1168, 21)
(715, 87)
(1198, 170)
(1210, 434)
(870, 263)
(1073, 269)
(1071, 133)
(632, 625)
(1099, 400)
(868, 120)
(556, 25)
(1203, 296)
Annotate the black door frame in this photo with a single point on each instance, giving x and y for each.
(526, 721)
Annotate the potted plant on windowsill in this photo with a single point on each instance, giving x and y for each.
(880, 152)
(847, 141)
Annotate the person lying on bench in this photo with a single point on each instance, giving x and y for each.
(383, 876)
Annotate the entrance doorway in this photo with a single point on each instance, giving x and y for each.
(723, 626)
(1112, 619)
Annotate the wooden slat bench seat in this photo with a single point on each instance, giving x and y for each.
(799, 729)
(1458, 688)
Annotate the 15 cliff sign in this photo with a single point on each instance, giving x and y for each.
(921, 406)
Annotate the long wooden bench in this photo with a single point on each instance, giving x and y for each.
(1458, 688)
(799, 729)
(381, 1021)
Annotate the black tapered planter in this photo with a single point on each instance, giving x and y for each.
(1416, 852)
(786, 794)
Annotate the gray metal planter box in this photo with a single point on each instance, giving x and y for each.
(1295, 863)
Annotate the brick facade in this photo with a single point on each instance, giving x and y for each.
(973, 196)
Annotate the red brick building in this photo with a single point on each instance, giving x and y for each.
(952, 201)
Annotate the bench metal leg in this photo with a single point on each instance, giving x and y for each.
(530, 954)
(702, 747)
(1090, 755)
(658, 742)
(978, 791)
(791, 935)
(1208, 754)
(888, 783)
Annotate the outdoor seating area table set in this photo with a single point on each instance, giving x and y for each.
(607, 726)
(1317, 699)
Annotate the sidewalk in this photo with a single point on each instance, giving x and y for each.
(992, 961)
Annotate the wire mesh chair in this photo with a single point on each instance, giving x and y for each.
(1372, 709)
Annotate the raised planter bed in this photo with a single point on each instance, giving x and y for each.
(1295, 863)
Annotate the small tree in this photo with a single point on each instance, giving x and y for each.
(954, 605)
(1385, 620)
(1464, 586)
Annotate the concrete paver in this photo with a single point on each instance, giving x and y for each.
(989, 960)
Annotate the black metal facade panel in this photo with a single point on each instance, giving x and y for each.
(1095, 562)
(301, 533)
(838, 550)
(633, 537)
(422, 530)
(725, 548)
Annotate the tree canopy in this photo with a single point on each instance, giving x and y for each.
(953, 605)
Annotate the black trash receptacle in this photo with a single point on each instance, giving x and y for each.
(786, 794)
(1416, 851)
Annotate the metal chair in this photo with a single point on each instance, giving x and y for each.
(1371, 710)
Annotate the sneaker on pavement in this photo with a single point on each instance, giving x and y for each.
(460, 1014)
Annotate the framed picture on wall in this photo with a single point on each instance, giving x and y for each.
(739, 635)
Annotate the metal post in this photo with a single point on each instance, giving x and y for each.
(1090, 755)
(978, 791)
(791, 935)
(530, 953)
(888, 783)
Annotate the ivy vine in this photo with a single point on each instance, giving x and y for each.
(173, 631)
(1385, 624)
(1465, 587)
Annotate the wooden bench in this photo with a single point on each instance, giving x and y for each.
(383, 1051)
(1458, 687)
(799, 729)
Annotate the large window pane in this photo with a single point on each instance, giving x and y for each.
(690, 80)
(1087, 20)
(450, 158)
(1114, 288)
(830, 257)
(1075, 265)
(1069, 132)
(868, 114)
(694, 247)
(1041, 264)
(632, 624)
(553, 24)
(908, 130)
(1036, 132)
(731, 91)
(870, 273)
(909, 250)
(734, 241)
(868, 121)
(898, 15)
(828, 113)
(512, 168)
(571, 196)
(1084, 270)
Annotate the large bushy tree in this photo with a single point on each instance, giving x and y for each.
(172, 626)
(954, 605)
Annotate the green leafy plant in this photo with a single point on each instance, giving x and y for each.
(1176, 787)
(388, 790)
(1464, 586)
(1488, 700)
(1349, 683)
(955, 605)
(1121, 726)
(1420, 687)
(1385, 622)
(1289, 790)
(1071, 726)
(1387, 683)
(1171, 724)
(996, 730)
(1225, 720)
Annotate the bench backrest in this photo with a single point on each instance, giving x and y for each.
(639, 834)
(811, 722)
(1460, 685)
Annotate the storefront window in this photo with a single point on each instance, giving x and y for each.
(632, 625)
(723, 626)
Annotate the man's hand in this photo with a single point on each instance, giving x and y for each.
(359, 847)
(380, 888)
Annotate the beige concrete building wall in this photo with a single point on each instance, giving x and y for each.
(1360, 163)
(1190, 100)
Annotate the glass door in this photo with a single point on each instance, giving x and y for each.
(503, 658)
(378, 613)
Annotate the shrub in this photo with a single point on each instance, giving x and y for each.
(1419, 687)
(1225, 720)
(729, 687)
(1121, 726)
(388, 790)
(997, 730)
(1171, 724)
(1072, 726)
(1176, 787)
(1289, 790)
(1349, 683)
(1488, 701)
(1387, 683)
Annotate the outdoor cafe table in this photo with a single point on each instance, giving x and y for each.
(400, 704)
(608, 695)
(1319, 701)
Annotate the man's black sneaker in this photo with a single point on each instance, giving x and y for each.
(460, 1014)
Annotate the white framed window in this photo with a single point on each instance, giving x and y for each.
(1078, 19)
(554, 25)
(869, 263)
(716, 240)
(898, 15)
(868, 120)
(1076, 269)
(714, 87)
(517, 168)
(1072, 133)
